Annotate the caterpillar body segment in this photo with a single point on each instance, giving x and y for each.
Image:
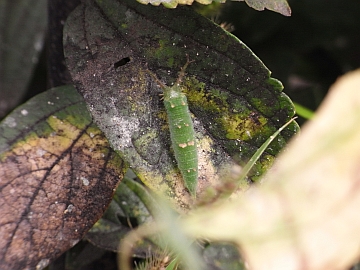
(181, 129)
(182, 135)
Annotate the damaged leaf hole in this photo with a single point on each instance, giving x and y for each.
(122, 62)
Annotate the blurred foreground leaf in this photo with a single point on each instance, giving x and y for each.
(306, 214)
(57, 176)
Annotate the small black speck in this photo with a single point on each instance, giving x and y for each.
(122, 62)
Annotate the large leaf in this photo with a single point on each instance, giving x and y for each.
(112, 46)
(306, 215)
(57, 176)
(22, 29)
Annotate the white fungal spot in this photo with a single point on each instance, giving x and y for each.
(248, 133)
(123, 128)
(40, 152)
(85, 181)
(24, 112)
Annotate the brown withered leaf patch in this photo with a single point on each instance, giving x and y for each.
(56, 181)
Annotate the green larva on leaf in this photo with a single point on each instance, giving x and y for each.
(181, 131)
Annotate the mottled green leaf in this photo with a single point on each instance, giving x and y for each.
(57, 175)
(305, 215)
(110, 48)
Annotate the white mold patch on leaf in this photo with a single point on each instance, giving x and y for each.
(10, 122)
(123, 128)
(85, 181)
(40, 152)
(24, 112)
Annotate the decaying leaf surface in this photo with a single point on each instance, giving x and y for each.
(110, 46)
(305, 215)
(57, 175)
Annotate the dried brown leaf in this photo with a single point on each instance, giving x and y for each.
(56, 180)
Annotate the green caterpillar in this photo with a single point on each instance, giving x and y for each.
(182, 132)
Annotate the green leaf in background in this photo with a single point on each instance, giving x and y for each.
(303, 111)
(22, 31)
(236, 104)
(57, 176)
